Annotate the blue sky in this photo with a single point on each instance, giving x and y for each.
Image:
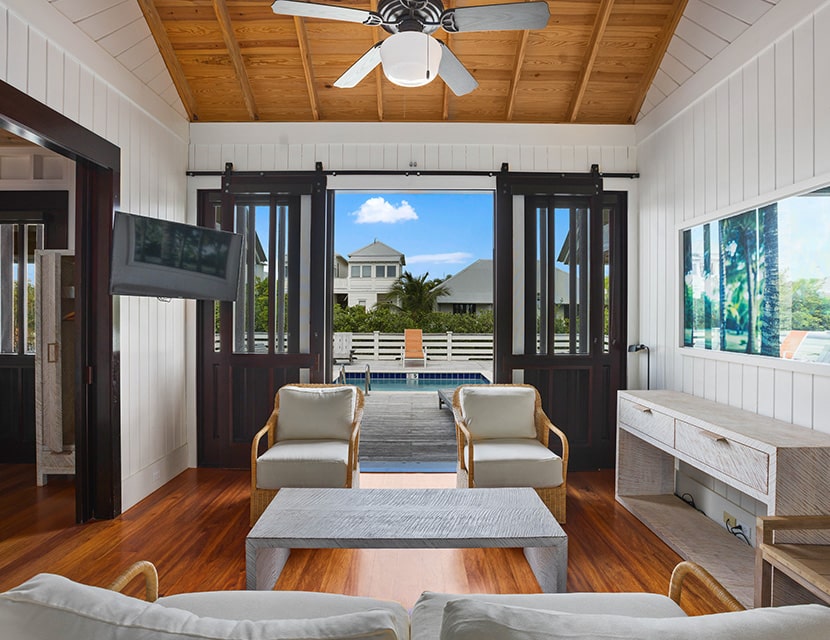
(438, 232)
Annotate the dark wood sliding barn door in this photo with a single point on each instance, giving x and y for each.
(275, 332)
(560, 302)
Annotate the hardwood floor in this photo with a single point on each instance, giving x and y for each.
(193, 529)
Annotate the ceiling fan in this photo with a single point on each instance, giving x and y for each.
(410, 56)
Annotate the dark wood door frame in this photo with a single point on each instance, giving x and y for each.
(584, 402)
(97, 190)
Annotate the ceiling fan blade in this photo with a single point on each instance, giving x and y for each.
(329, 12)
(360, 69)
(458, 79)
(496, 17)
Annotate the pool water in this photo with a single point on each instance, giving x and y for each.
(416, 381)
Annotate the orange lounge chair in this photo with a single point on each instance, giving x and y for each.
(413, 346)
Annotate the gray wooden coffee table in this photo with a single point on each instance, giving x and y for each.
(406, 519)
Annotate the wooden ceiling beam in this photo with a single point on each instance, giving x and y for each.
(305, 55)
(600, 22)
(656, 59)
(171, 60)
(235, 53)
(518, 63)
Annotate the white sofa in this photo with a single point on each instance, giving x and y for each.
(50, 606)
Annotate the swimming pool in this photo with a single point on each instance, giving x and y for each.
(383, 381)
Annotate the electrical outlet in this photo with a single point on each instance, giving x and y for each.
(729, 520)
(747, 531)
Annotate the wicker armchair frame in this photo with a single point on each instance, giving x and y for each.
(553, 497)
(261, 498)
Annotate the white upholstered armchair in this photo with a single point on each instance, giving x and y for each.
(313, 436)
(502, 436)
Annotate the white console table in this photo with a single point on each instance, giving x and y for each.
(782, 465)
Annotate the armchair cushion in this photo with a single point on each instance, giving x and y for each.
(515, 462)
(278, 605)
(50, 606)
(315, 413)
(467, 619)
(428, 612)
(498, 412)
(303, 463)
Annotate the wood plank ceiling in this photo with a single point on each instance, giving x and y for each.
(236, 61)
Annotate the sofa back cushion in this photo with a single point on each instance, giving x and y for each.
(498, 411)
(467, 619)
(316, 413)
(49, 606)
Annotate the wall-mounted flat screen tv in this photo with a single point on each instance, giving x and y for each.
(152, 257)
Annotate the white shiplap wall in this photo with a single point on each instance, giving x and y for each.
(88, 87)
(430, 146)
(760, 135)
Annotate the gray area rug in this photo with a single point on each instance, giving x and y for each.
(406, 432)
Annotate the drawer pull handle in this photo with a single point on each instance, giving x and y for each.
(712, 436)
(642, 409)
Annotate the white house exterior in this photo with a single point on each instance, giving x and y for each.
(367, 276)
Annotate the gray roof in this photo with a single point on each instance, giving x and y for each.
(375, 252)
(474, 285)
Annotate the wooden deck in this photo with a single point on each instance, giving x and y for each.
(406, 431)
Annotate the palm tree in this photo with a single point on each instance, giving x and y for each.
(771, 310)
(416, 296)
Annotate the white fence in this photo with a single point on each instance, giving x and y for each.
(439, 346)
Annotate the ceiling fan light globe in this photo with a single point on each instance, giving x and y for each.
(410, 58)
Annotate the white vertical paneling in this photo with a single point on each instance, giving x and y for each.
(711, 151)
(581, 162)
(724, 138)
(18, 40)
(699, 381)
(749, 119)
(802, 399)
(784, 111)
(71, 88)
(766, 391)
(710, 378)
(567, 158)
(783, 395)
(54, 77)
(722, 380)
(821, 90)
(749, 389)
(699, 127)
(85, 97)
(736, 157)
(36, 81)
(269, 157)
(766, 121)
(821, 403)
(803, 122)
(734, 393)
(113, 117)
(255, 155)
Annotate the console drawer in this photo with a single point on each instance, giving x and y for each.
(736, 460)
(648, 421)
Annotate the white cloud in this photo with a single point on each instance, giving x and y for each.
(379, 210)
(458, 257)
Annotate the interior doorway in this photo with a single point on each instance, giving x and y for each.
(29, 221)
(97, 410)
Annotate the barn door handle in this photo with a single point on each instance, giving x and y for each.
(52, 352)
